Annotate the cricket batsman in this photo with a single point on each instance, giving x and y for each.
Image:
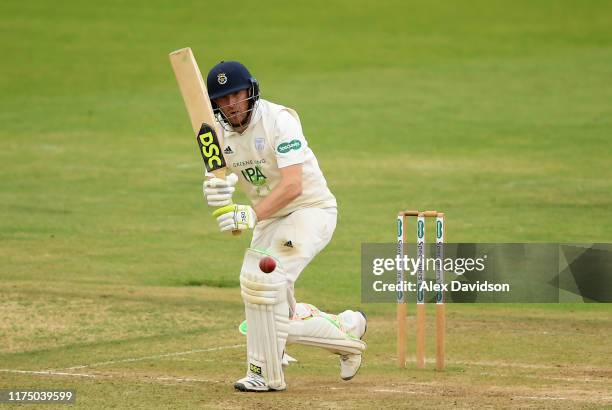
(293, 216)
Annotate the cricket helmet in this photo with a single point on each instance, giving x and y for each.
(229, 77)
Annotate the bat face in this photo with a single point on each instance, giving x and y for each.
(195, 96)
(210, 148)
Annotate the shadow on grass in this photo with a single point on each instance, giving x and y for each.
(211, 282)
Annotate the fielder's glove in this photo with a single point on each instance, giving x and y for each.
(218, 192)
(235, 217)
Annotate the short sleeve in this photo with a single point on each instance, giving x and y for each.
(289, 141)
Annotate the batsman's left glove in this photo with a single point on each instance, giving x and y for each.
(218, 192)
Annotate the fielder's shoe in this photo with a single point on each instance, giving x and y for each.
(350, 363)
(253, 383)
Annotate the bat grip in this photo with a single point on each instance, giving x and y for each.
(220, 173)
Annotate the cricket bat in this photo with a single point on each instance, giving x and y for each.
(197, 102)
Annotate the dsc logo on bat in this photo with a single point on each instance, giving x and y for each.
(209, 148)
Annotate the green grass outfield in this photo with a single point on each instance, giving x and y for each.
(113, 275)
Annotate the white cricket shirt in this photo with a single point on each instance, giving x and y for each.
(273, 140)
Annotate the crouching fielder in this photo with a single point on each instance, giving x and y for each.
(293, 216)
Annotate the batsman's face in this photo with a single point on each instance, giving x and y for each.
(235, 107)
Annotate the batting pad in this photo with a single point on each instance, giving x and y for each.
(320, 329)
(267, 316)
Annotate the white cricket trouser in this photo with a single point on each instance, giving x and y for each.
(295, 240)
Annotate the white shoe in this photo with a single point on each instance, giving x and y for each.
(253, 383)
(287, 360)
(350, 363)
(349, 366)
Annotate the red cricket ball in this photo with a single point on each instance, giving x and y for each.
(267, 264)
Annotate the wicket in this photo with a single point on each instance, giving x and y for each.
(402, 218)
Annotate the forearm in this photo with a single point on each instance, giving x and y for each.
(280, 197)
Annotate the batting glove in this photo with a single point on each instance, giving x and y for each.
(235, 217)
(218, 192)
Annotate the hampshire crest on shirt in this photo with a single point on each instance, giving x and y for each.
(260, 144)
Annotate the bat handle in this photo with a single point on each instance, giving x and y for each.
(220, 173)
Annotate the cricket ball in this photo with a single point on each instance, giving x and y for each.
(267, 264)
